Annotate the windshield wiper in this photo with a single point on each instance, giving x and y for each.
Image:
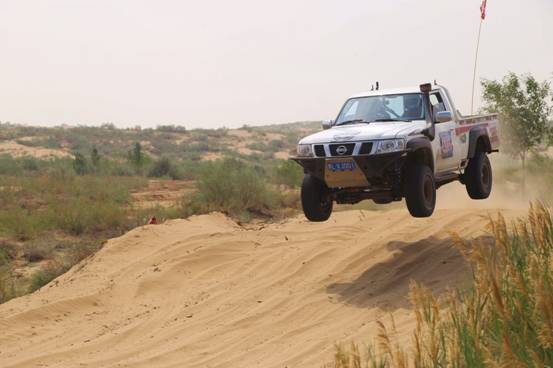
(383, 120)
(355, 121)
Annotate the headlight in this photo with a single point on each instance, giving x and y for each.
(391, 145)
(304, 150)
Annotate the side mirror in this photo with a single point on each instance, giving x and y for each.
(443, 116)
(327, 124)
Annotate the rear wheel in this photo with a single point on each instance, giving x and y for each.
(478, 176)
(420, 190)
(315, 199)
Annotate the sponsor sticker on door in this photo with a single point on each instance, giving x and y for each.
(446, 142)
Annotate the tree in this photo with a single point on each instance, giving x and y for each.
(136, 157)
(524, 105)
(95, 157)
(79, 164)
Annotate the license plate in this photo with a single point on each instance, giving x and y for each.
(341, 166)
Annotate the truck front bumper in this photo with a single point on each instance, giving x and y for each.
(376, 169)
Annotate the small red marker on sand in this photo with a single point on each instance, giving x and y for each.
(153, 221)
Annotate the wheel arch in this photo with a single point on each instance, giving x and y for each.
(479, 141)
(420, 151)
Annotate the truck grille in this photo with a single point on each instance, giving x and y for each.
(335, 148)
(319, 150)
(366, 148)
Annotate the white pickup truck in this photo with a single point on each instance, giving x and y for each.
(387, 145)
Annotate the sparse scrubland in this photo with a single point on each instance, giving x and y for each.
(57, 210)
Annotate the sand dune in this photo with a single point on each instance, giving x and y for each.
(205, 292)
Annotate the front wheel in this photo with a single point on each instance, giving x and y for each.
(315, 199)
(478, 176)
(420, 190)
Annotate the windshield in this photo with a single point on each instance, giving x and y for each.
(404, 107)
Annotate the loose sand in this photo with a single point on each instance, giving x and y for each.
(205, 292)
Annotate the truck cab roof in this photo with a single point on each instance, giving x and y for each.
(391, 91)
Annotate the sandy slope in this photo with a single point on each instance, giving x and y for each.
(206, 293)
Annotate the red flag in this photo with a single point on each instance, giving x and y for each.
(483, 10)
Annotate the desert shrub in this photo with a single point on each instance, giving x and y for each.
(171, 128)
(164, 167)
(160, 168)
(288, 173)
(9, 165)
(8, 252)
(141, 216)
(504, 320)
(233, 187)
(46, 274)
(272, 146)
(276, 145)
(71, 204)
(7, 285)
(216, 133)
(30, 164)
(198, 147)
(35, 251)
(80, 164)
(78, 251)
(82, 215)
(21, 224)
(121, 170)
(258, 146)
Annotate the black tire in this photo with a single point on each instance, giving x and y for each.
(420, 190)
(478, 176)
(315, 199)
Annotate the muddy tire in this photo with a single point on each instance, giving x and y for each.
(315, 199)
(478, 176)
(420, 190)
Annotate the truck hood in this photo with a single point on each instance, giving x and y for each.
(365, 132)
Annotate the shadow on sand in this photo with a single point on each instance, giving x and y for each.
(434, 262)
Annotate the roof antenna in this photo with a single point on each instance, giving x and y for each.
(377, 86)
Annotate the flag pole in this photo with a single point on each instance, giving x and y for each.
(475, 65)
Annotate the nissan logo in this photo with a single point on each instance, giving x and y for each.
(341, 150)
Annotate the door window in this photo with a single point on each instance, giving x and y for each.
(437, 102)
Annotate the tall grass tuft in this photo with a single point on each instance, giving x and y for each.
(504, 320)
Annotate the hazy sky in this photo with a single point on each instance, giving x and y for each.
(228, 63)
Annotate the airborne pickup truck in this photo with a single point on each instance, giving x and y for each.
(386, 145)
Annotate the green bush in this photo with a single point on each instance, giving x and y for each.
(81, 215)
(160, 168)
(288, 173)
(164, 167)
(233, 187)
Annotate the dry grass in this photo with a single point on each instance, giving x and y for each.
(504, 320)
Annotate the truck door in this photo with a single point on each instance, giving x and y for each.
(444, 143)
